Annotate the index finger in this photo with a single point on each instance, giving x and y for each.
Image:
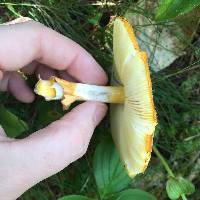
(24, 42)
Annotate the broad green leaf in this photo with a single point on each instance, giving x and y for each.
(179, 186)
(12, 125)
(169, 9)
(75, 197)
(186, 186)
(134, 194)
(109, 172)
(173, 189)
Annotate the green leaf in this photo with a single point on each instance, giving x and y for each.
(75, 197)
(95, 20)
(12, 125)
(169, 9)
(179, 186)
(109, 172)
(134, 194)
(186, 186)
(173, 189)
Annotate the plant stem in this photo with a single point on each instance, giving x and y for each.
(166, 166)
(163, 161)
(183, 197)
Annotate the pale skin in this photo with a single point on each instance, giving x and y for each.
(34, 48)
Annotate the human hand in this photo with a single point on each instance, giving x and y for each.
(32, 47)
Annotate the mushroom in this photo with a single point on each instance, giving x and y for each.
(133, 116)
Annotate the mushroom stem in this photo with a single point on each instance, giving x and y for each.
(55, 88)
(107, 94)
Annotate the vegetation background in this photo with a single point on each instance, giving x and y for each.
(99, 174)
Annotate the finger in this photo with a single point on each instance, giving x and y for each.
(45, 72)
(14, 83)
(18, 20)
(30, 68)
(24, 42)
(64, 75)
(51, 149)
(19, 89)
(33, 67)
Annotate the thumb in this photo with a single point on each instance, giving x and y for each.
(51, 149)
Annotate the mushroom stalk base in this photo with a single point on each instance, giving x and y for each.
(69, 92)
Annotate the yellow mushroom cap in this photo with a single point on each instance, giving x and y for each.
(133, 123)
